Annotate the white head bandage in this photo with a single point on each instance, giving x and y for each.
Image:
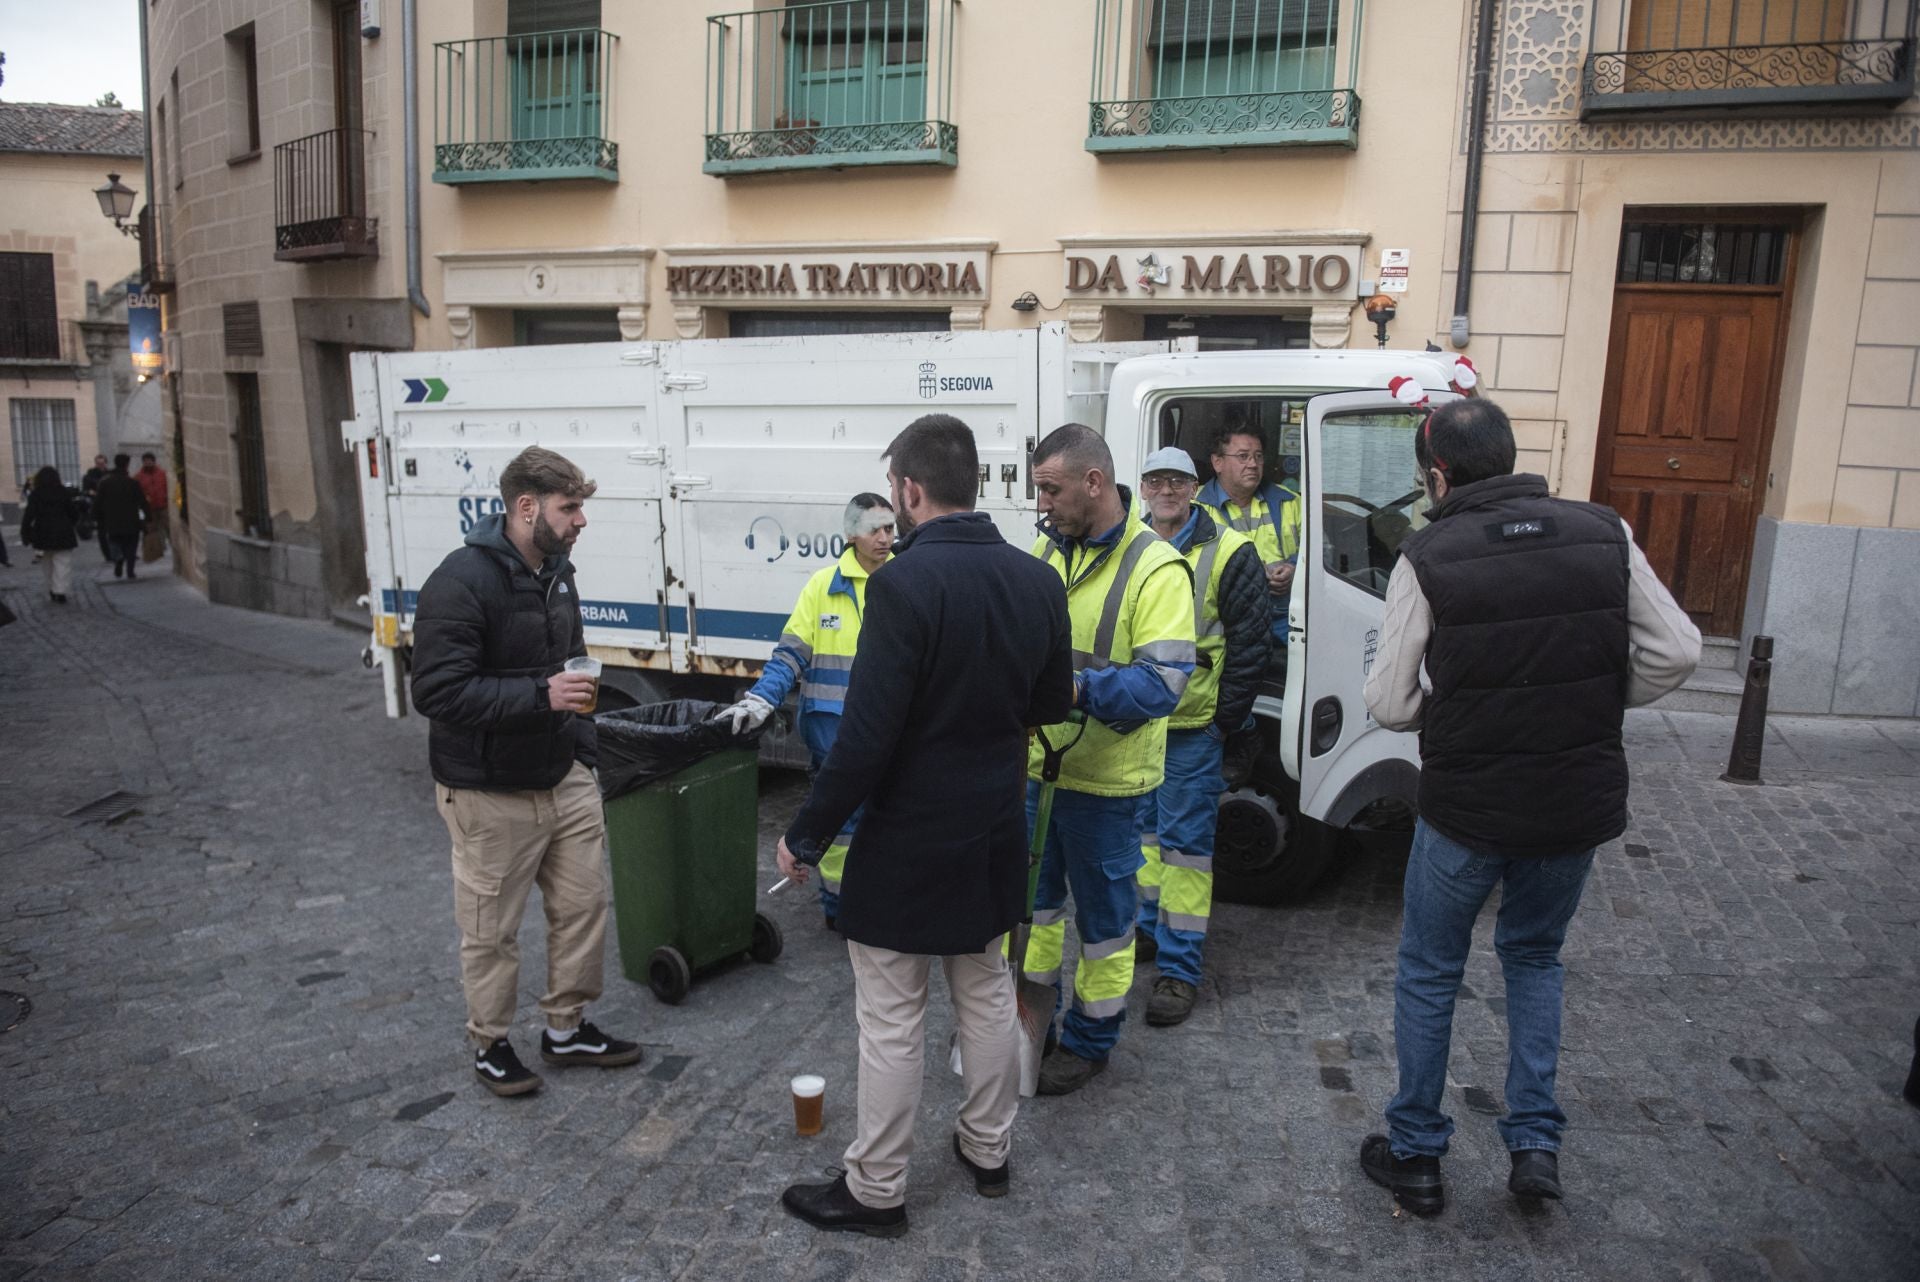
(865, 520)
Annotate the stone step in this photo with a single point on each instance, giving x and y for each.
(1707, 690)
(1720, 652)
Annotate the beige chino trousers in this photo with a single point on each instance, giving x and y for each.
(890, 1003)
(504, 844)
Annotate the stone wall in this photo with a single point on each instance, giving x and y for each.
(257, 574)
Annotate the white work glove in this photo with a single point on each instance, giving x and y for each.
(747, 715)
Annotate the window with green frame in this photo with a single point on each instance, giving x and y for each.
(1218, 48)
(861, 62)
(554, 69)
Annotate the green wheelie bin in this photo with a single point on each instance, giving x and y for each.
(682, 806)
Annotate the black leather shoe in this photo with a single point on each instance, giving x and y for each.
(988, 1181)
(834, 1209)
(1414, 1181)
(1536, 1173)
(1062, 1072)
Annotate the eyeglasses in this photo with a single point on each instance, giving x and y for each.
(1155, 484)
(1246, 457)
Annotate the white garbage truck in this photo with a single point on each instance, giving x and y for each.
(724, 465)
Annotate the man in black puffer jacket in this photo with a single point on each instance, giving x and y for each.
(1233, 614)
(1519, 629)
(512, 757)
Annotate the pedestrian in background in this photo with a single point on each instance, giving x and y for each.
(1130, 599)
(816, 653)
(1519, 628)
(50, 526)
(120, 507)
(153, 485)
(89, 489)
(512, 759)
(966, 644)
(1231, 617)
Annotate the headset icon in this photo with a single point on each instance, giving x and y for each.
(777, 530)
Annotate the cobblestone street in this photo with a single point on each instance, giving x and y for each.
(244, 1057)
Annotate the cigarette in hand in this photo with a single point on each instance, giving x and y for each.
(779, 885)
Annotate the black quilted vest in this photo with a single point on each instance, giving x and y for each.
(1520, 751)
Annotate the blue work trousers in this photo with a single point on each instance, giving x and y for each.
(1092, 851)
(820, 729)
(1447, 885)
(1177, 822)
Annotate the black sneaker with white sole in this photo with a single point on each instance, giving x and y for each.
(590, 1047)
(501, 1071)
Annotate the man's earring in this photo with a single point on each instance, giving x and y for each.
(529, 520)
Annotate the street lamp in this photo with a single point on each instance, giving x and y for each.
(116, 202)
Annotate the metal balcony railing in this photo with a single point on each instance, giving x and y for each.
(320, 198)
(527, 107)
(1176, 74)
(1680, 55)
(852, 82)
(156, 249)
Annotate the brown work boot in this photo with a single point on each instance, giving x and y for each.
(1062, 1072)
(1172, 1001)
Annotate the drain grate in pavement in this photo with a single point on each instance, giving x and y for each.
(117, 804)
(14, 1008)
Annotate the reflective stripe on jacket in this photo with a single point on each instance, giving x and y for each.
(1133, 653)
(817, 645)
(1271, 519)
(1210, 546)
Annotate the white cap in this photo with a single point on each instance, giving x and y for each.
(1169, 458)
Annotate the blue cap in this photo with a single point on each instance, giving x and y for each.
(1169, 458)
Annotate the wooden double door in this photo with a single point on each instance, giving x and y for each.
(1685, 423)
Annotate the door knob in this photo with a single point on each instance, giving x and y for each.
(1673, 464)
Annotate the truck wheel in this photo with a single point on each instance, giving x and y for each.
(767, 942)
(669, 976)
(1265, 854)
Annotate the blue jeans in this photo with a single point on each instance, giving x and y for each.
(1447, 885)
(1093, 849)
(1177, 822)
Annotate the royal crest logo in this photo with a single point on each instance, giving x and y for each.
(929, 380)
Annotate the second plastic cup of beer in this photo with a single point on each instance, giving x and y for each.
(591, 667)
(809, 1099)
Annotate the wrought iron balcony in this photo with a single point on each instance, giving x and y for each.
(1685, 55)
(156, 248)
(320, 198)
(811, 86)
(1179, 74)
(525, 107)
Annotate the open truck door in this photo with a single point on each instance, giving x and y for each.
(1363, 499)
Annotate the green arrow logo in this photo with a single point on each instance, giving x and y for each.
(436, 391)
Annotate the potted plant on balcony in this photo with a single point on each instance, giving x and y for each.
(792, 136)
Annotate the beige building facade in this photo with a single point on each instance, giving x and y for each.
(1244, 173)
(66, 381)
(1696, 286)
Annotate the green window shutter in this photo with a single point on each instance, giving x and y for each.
(530, 17)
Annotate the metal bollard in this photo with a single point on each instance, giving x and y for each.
(1750, 731)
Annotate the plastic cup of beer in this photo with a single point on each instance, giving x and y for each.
(591, 667)
(809, 1099)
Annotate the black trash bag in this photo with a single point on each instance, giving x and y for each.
(641, 745)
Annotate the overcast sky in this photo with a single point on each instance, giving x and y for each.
(70, 50)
